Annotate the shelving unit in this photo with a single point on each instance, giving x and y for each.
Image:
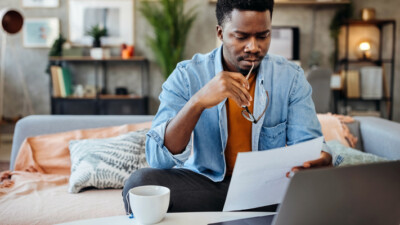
(380, 24)
(311, 2)
(103, 103)
(306, 2)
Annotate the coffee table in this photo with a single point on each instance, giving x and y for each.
(194, 218)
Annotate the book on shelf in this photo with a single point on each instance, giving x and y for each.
(61, 81)
(353, 84)
(67, 81)
(371, 82)
(55, 82)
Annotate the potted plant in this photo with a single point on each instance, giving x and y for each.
(171, 26)
(340, 16)
(96, 32)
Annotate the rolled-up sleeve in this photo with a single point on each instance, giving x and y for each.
(174, 95)
(303, 123)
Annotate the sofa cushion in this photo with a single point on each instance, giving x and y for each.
(106, 163)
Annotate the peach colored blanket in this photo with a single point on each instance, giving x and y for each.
(334, 128)
(42, 199)
(37, 191)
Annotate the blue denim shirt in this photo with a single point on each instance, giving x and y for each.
(289, 119)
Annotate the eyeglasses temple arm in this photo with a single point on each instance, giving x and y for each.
(265, 109)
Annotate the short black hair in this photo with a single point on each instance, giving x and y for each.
(225, 7)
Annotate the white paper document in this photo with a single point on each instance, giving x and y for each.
(259, 178)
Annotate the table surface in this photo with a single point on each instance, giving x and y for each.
(194, 218)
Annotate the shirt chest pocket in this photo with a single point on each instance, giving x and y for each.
(272, 137)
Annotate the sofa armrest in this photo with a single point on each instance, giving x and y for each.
(380, 136)
(48, 124)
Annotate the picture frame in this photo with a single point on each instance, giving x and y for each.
(40, 32)
(117, 14)
(40, 3)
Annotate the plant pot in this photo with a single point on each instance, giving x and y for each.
(96, 43)
(100, 53)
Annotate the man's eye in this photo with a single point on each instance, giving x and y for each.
(241, 37)
(264, 36)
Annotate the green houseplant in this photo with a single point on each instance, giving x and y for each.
(340, 16)
(171, 26)
(96, 32)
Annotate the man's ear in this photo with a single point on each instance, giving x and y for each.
(219, 32)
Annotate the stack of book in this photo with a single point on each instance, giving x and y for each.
(61, 80)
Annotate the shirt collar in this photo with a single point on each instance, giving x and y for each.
(218, 61)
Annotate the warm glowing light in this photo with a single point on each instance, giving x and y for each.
(365, 46)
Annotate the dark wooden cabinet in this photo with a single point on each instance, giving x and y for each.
(103, 103)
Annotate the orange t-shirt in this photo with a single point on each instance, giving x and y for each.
(239, 129)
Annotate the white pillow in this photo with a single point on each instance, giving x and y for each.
(343, 156)
(106, 163)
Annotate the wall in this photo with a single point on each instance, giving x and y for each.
(313, 22)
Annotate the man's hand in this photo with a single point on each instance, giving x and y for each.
(324, 160)
(224, 85)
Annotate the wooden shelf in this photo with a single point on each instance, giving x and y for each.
(370, 100)
(90, 59)
(307, 2)
(105, 97)
(375, 61)
(99, 104)
(368, 22)
(311, 2)
(120, 97)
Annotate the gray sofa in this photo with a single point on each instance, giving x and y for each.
(377, 136)
(47, 124)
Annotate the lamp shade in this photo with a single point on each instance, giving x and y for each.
(11, 20)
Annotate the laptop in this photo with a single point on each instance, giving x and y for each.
(363, 194)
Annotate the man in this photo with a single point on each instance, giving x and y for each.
(202, 122)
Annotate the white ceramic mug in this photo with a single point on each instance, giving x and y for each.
(149, 203)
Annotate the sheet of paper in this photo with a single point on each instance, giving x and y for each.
(259, 178)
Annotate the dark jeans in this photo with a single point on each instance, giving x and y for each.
(190, 191)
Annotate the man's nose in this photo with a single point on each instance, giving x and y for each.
(252, 46)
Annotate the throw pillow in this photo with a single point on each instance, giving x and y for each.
(106, 163)
(344, 156)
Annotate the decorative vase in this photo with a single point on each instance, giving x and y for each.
(96, 53)
(100, 53)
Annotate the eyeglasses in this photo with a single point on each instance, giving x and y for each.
(246, 112)
(249, 116)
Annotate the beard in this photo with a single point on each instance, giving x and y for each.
(246, 71)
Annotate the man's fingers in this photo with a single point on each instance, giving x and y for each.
(314, 163)
(293, 170)
(241, 79)
(243, 91)
(239, 97)
(296, 169)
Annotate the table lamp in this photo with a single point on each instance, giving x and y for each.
(365, 48)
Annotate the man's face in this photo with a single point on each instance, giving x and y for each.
(246, 38)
